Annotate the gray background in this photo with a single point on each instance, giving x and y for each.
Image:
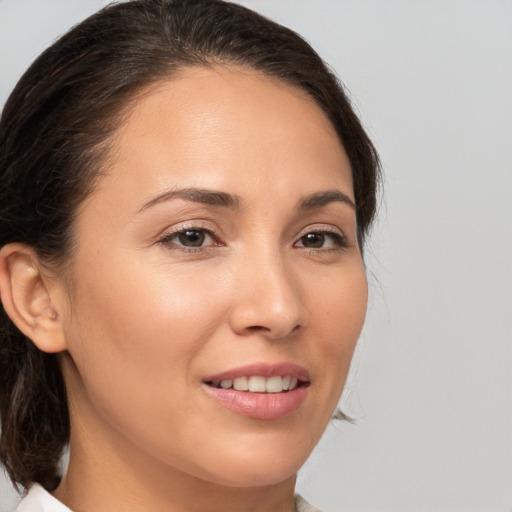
(431, 383)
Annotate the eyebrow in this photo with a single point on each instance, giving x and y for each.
(225, 200)
(319, 199)
(197, 195)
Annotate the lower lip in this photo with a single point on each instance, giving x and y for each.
(259, 406)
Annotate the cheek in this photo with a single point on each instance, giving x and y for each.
(134, 327)
(339, 306)
(337, 314)
(134, 340)
(145, 304)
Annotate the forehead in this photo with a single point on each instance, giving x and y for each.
(216, 126)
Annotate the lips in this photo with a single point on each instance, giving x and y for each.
(260, 391)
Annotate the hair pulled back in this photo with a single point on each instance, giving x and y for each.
(54, 136)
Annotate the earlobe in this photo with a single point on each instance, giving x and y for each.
(26, 295)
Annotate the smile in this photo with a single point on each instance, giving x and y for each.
(259, 384)
(260, 391)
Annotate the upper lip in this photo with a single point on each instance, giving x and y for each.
(262, 370)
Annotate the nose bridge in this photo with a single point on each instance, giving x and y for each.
(269, 298)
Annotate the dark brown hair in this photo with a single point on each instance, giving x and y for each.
(54, 135)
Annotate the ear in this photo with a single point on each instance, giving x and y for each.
(31, 298)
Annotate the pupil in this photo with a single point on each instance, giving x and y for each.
(191, 238)
(313, 240)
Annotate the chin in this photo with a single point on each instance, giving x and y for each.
(264, 465)
(268, 475)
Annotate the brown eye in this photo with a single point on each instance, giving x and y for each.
(326, 240)
(191, 238)
(313, 240)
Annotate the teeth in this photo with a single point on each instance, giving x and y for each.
(258, 384)
(241, 384)
(226, 384)
(274, 385)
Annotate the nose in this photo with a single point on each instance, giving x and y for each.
(268, 300)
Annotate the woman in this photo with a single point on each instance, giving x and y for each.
(185, 194)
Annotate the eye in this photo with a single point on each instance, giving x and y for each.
(189, 238)
(321, 240)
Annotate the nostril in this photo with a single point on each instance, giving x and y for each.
(272, 332)
(266, 332)
(257, 328)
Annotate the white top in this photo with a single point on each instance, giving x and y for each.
(40, 500)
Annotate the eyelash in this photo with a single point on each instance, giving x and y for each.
(340, 242)
(167, 239)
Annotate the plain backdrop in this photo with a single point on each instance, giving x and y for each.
(431, 384)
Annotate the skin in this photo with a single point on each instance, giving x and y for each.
(147, 319)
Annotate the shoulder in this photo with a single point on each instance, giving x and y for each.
(40, 500)
(301, 505)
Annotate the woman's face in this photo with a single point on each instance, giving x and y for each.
(219, 250)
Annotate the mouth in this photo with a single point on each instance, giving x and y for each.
(260, 391)
(259, 384)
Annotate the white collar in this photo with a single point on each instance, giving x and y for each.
(39, 499)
